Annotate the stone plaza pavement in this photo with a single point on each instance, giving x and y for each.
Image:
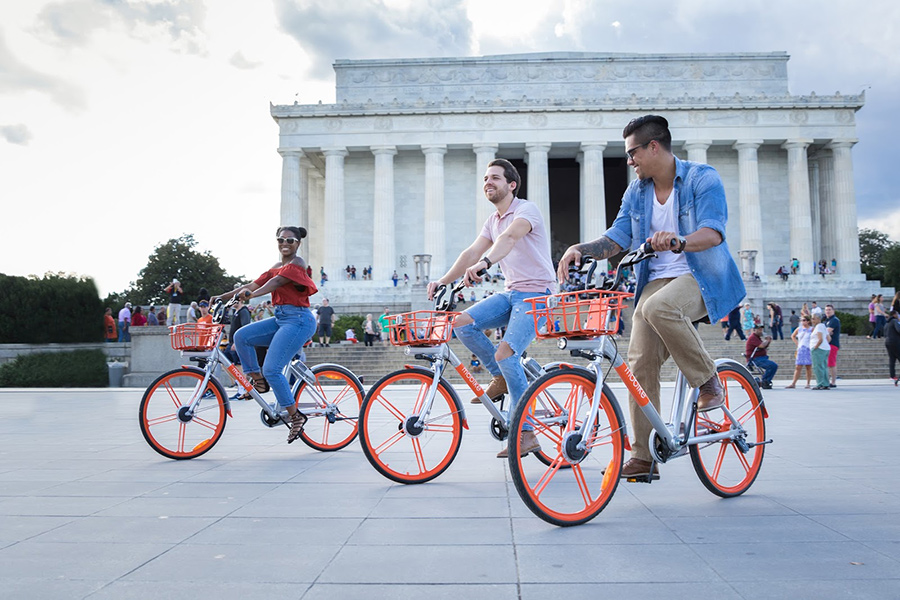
(88, 510)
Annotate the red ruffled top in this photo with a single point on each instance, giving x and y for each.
(296, 292)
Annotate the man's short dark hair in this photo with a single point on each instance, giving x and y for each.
(510, 173)
(648, 128)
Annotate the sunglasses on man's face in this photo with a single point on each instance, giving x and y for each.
(290, 240)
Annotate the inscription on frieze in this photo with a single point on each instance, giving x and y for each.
(561, 75)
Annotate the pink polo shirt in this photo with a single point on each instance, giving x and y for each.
(527, 267)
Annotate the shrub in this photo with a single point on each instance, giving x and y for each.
(344, 322)
(79, 368)
(853, 324)
(58, 308)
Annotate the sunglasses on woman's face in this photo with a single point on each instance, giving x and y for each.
(290, 240)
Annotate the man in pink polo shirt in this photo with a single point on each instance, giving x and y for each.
(515, 237)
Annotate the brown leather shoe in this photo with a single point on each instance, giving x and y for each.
(635, 467)
(528, 443)
(495, 389)
(711, 395)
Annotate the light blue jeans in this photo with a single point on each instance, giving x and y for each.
(509, 309)
(284, 334)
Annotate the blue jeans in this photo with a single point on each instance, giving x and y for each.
(124, 331)
(767, 365)
(284, 334)
(504, 309)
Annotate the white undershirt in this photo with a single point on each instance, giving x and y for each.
(667, 264)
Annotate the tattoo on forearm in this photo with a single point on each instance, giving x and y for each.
(600, 248)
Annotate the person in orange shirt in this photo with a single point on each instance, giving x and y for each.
(109, 324)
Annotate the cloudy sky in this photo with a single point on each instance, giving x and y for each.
(124, 123)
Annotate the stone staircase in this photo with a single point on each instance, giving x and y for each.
(859, 358)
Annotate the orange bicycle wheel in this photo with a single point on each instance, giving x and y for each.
(391, 438)
(721, 466)
(583, 473)
(332, 425)
(167, 424)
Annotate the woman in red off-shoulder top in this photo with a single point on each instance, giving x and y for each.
(285, 334)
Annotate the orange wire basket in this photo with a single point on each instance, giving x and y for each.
(577, 314)
(195, 337)
(421, 328)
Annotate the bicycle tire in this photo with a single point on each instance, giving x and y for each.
(172, 436)
(572, 496)
(342, 388)
(386, 442)
(722, 468)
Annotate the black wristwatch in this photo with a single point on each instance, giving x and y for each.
(682, 242)
(487, 261)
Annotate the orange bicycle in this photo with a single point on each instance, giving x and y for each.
(411, 421)
(183, 412)
(577, 419)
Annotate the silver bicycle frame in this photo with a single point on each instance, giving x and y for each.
(443, 354)
(677, 433)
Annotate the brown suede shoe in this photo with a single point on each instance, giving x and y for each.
(528, 443)
(495, 389)
(635, 467)
(711, 395)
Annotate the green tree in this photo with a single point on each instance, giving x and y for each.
(58, 308)
(177, 259)
(873, 249)
(892, 267)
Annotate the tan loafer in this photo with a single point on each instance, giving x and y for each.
(495, 389)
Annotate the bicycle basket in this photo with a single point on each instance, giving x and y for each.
(194, 337)
(577, 314)
(421, 328)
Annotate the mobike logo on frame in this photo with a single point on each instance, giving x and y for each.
(633, 385)
(239, 377)
(470, 379)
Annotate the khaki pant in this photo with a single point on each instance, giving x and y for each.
(664, 326)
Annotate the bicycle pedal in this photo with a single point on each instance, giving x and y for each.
(643, 478)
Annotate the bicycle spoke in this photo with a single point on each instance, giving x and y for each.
(582, 485)
(390, 442)
(204, 423)
(420, 459)
(391, 408)
(548, 475)
(163, 419)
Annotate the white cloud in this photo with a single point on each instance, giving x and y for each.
(887, 223)
(148, 119)
(16, 134)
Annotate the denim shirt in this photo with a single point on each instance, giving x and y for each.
(699, 202)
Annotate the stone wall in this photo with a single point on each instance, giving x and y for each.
(120, 352)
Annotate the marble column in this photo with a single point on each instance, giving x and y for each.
(484, 153)
(798, 198)
(593, 204)
(435, 218)
(316, 240)
(384, 254)
(751, 211)
(292, 189)
(539, 182)
(845, 225)
(827, 215)
(335, 220)
(815, 207)
(696, 150)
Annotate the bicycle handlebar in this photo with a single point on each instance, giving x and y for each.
(444, 301)
(220, 308)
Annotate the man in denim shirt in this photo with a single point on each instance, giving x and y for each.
(679, 207)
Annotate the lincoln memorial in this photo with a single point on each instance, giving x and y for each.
(393, 169)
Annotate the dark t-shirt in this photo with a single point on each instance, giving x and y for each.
(835, 324)
(753, 342)
(175, 297)
(324, 315)
(240, 318)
